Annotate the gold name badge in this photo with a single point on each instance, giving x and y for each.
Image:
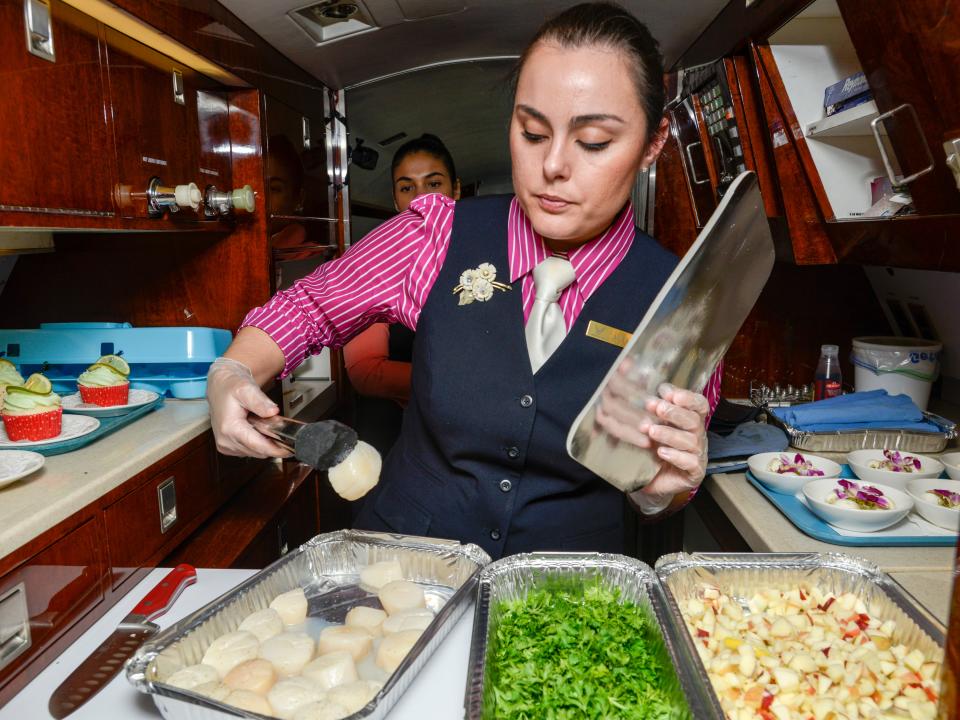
(599, 331)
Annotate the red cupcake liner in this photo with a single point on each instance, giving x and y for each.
(38, 426)
(105, 396)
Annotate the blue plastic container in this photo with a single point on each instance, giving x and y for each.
(171, 361)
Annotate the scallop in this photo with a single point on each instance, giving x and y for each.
(353, 640)
(288, 652)
(254, 675)
(353, 696)
(264, 623)
(215, 690)
(401, 595)
(332, 669)
(321, 711)
(291, 606)
(247, 700)
(368, 618)
(394, 649)
(228, 651)
(358, 473)
(375, 576)
(418, 619)
(193, 675)
(288, 696)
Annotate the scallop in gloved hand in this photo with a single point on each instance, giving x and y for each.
(228, 651)
(288, 652)
(358, 473)
(291, 694)
(332, 669)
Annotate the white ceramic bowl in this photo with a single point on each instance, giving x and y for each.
(855, 518)
(789, 483)
(935, 513)
(859, 461)
(951, 461)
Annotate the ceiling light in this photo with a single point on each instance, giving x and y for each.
(339, 12)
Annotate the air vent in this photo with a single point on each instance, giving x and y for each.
(332, 19)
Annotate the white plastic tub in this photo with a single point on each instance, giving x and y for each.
(901, 366)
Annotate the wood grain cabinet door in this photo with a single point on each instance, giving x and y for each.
(910, 52)
(56, 155)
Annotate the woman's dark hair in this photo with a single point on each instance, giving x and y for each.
(609, 25)
(429, 144)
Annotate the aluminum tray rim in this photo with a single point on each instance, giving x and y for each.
(138, 665)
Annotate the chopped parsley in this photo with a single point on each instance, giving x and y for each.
(574, 651)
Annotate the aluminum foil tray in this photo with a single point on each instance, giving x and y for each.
(742, 574)
(513, 577)
(327, 568)
(848, 440)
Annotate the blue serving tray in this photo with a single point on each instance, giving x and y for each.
(107, 426)
(809, 524)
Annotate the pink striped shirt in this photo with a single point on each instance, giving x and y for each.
(387, 276)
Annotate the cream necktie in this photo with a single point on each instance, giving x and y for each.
(546, 329)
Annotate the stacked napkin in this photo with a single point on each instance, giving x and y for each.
(858, 411)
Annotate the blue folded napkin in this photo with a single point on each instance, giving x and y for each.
(747, 439)
(858, 411)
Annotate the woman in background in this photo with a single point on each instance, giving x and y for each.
(378, 359)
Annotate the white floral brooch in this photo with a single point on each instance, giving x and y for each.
(478, 284)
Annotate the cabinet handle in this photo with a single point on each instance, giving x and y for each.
(14, 624)
(693, 170)
(167, 501)
(36, 16)
(891, 174)
(952, 150)
(179, 96)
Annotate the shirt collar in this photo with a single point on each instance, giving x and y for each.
(591, 261)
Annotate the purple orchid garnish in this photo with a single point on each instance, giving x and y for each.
(798, 466)
(895, 462)
(866, 497)
(947, 498)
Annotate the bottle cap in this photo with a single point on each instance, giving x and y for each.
(829, 350)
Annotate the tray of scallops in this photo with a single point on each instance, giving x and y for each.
(578, 635)
(823, 636)
(336, 629)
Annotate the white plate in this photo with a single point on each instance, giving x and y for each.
(854, 518)
(15, 464)
(859, 461)
(137, 398)
(74, 426)
(790, 483)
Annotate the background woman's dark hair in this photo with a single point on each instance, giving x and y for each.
(609, 25)
(426, 143)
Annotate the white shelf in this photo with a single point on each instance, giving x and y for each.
(849, 123)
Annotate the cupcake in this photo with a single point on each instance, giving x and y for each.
(8, 376)
(106, 382)
(32, 412)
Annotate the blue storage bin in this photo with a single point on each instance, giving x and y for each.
(171, 361)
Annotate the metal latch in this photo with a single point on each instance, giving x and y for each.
(14, 624)
(167, 497)
(179, 96)
(36, 16)
(952, 150)
(306, 133)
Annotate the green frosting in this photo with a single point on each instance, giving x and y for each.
(22, 403)
(9, 375)
(99, 376)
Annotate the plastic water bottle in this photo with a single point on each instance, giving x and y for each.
(826, 384)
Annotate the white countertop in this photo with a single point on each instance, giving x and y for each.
(925, 572)
(436, 693)
(70, 481)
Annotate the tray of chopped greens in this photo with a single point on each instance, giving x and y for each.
(579, 635)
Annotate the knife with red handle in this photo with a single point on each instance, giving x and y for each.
(106, 661)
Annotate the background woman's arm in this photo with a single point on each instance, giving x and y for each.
(371, 371)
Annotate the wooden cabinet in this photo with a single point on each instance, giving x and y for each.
(56, 153)
(159, 512)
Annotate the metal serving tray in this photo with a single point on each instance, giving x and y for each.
(513, 577)
(327, 568)
(849, 440)
(742, 574)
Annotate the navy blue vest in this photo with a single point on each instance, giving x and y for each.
(482, 454)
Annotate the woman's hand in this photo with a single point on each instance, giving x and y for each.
(233, 393)
(680, 441)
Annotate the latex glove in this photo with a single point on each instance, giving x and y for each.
(232, 394)
(680, 441)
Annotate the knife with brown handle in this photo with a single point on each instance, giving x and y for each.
(106, 661)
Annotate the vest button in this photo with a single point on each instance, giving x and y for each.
(513, 453)
(506, 485)
(494, 534)
(526, 401)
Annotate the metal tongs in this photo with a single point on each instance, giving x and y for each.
(321, 445)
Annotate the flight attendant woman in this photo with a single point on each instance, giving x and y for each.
(500, 291)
